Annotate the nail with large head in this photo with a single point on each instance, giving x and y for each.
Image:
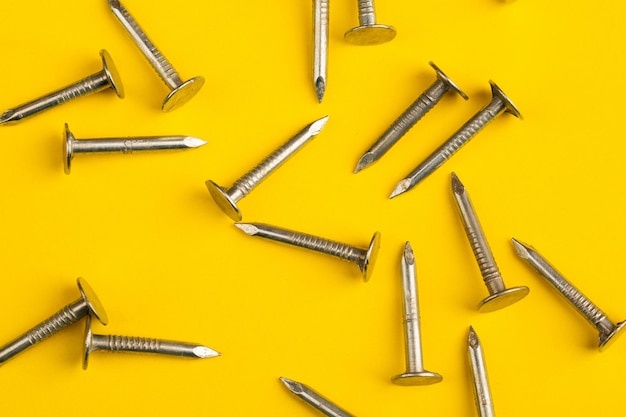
(364, 258)
(608, 331)
(227, 198)
(415, 373)
(499, 296)
(107, 78)
(499, 104)
(369, 32)
(88, 303)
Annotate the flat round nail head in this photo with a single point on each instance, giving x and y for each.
(370, 35)
(367, 267)
(417, 378)
(446, 80)
(95, 306)
(182, 94)
(112, 74)
(606, 341)
(223, 201)
(509, 105)
(68, 149)
(502, 299)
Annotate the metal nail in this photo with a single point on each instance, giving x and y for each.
(107, 78)
(499, 296)
(426, 101)
(88, 303)
(180, 92)
(364, 258)
(598, 319)
(482, 393)
(227, 199)
(415, 373)
(320, 47)
(499, 104)
(111, 343)
(369, 32)
(73, 146)
(320, 403)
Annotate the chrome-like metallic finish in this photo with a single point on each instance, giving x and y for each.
(363, 258)
(320, 403)
(415, 373)
(369, 32)
(426, 101)
(73, 146)
(499, 104)
(227, 199)
(608, 331)
(107, 78)
(499, 296)
(482, 394)
(180, 91)
(88, 303)
(111, 343)
(320, 46)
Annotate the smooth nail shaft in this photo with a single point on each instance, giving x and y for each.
(314, 399)
(482, 393)
(320, 50)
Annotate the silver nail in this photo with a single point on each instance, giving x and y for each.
(426, 101)
(320, 403)
(369, 32)
(112, 343)
(320, 47)
(227, 199)
(73, 146)
(499, 296)
(598, 319)
(415, 373)
(499, 104)
(363, 258)
(107, 78)
(181, 92)
(482, 393)
(88, 303)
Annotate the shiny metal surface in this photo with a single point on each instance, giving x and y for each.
(482, 393)
(426, 101)
(365, 259)
(181, 92)
(88, 303)
(369, 32)
(107, 78)
(499, 104)
(320, 46)
(227, 198)
(111, 343)
(320, 403)
(415, 373)
(598, 319)
(73, 146)
(499, 296)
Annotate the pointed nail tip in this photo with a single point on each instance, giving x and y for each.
(457, 185)
(472, 338)
(401, 188)
(194, 142)
(293, 386)
(408, 255)
(522, 250)
(247, 228)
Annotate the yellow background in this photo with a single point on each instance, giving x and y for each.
(144, 232)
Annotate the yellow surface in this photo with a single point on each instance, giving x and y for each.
(144, 232)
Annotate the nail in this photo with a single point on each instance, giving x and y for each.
(499, 296)
(88, 303)
(107, 78)
(180, 92)
(111, 343)
(320, 47)
(482, 393)
(598, 319)
(364, 258)
(499, 104)
(415, 373)
(311, 397)
(227, 199)
(73, 146)
(409, 118)
(369, 32)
